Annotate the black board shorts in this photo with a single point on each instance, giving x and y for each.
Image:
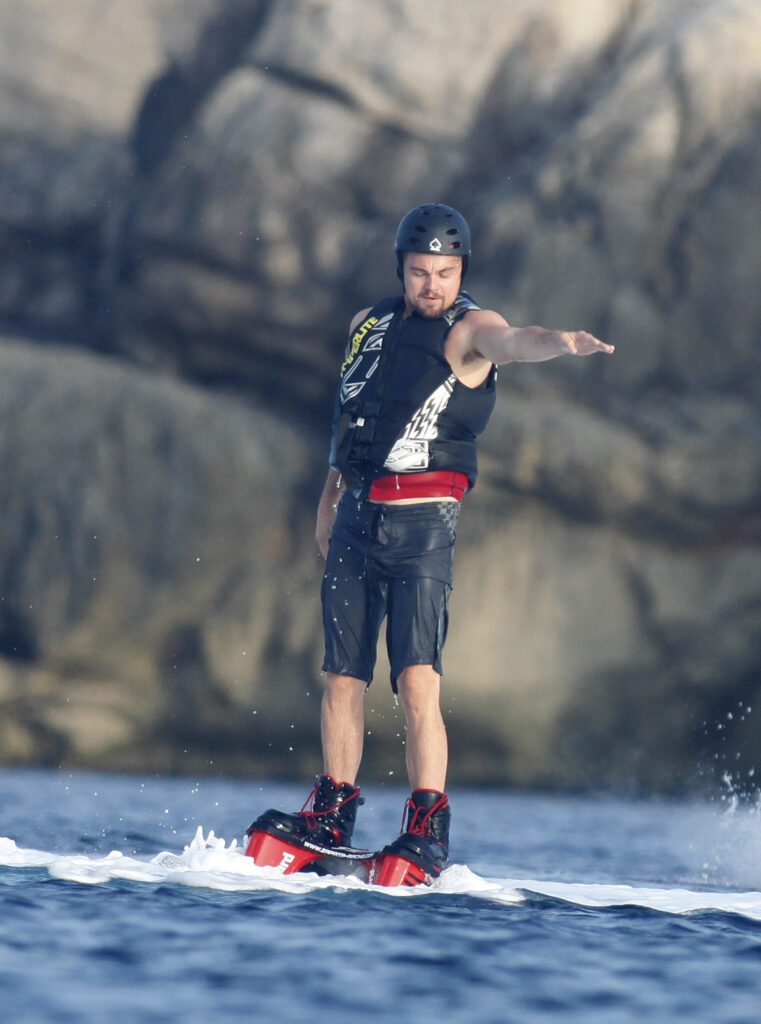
(393, 562)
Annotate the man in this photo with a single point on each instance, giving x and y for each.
(417, 388)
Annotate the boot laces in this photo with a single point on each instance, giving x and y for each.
(310, 815)
(420, 822)
(308, 812)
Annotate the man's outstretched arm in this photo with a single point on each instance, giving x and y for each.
(489, 336)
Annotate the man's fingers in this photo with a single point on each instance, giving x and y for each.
(582, 343)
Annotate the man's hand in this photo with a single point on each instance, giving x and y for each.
(581, 343)
(327, 509)
(325, 520)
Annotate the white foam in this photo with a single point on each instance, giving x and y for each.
(11, 856)
(209, 862)
(665, 900)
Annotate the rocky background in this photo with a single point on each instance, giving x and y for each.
(195, 198)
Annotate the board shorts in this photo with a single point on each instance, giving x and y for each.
(393, 562)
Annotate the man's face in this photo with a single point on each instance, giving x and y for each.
(431, 282)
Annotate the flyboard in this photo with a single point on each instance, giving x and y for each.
(271, 846)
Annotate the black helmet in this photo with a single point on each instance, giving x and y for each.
(433, 227)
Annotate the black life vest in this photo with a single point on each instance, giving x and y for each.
(400, 408)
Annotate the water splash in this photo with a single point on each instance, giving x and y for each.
(733, 854)
(210, 862)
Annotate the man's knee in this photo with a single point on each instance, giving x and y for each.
(418, 687)
(343, 689)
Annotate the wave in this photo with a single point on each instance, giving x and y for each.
(209, 862)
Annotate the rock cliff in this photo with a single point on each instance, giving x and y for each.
(195, 201)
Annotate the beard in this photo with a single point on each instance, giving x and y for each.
(429, 310)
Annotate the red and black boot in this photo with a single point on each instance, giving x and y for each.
(294, 841)
(421, 852)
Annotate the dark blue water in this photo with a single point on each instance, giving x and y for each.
(557, 909)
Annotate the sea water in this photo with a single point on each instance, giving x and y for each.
(127, 899)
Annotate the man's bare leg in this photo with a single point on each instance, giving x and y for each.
(427, 751)
(343, 726)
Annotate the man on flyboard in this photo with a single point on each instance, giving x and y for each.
(417, 387)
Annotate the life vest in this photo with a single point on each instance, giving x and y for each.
(400, 408)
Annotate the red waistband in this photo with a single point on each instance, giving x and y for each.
(442, 484)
